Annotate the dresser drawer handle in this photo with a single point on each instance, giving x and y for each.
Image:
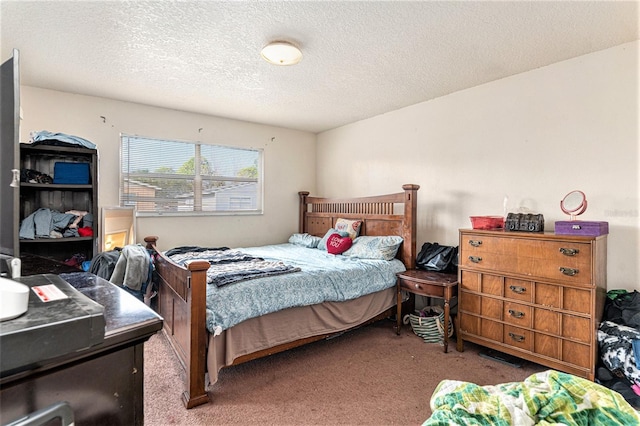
(568, 271)
(517, 289)
(569, 251)
(516, 314)
(475, 243)
(517, 337)
(475, 259)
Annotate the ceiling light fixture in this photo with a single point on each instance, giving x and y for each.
(281, 53)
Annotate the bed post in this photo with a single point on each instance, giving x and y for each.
(196, 393)
(151, 241)
(409, 225)
(183, 325)
(302, 222)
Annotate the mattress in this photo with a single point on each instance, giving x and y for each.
(321, 277)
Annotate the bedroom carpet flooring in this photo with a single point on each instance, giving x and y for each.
(369, 376)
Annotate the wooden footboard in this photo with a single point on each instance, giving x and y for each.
(182, 304)
(182, 291)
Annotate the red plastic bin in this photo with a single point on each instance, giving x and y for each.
(487, 222)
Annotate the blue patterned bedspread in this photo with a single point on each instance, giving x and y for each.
(322, 277)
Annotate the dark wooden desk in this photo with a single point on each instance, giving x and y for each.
(102, 384)
(430, 284)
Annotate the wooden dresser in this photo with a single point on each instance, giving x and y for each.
(537, 296)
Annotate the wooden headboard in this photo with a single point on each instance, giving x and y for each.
(392, 214)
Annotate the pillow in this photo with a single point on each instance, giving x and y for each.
(379, 248)
(305, 240)
(337, 244)
(352, 227)
(322, 245)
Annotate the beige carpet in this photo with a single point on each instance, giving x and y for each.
(369, 376)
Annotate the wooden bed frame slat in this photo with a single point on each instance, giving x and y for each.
(182, 291)
(318, 214)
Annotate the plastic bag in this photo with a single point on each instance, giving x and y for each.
(434, 257)
(623, 308)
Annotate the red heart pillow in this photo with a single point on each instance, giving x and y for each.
(337, 244)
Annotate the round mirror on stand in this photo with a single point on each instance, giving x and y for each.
(574, 204)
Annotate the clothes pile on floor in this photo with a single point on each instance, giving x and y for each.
(545, 398)
(619, 342)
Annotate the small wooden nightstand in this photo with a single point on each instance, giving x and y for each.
(430, 284)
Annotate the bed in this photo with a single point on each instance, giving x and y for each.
(182, 294)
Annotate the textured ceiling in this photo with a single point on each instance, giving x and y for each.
(360, 59)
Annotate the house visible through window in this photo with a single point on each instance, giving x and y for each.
(160, 177)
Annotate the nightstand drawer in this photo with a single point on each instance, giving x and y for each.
(428, 283)
(422, 289)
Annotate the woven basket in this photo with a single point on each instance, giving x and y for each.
(429, 328)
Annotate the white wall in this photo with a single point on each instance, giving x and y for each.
(533, 137)
(289, 161)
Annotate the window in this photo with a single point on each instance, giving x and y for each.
(162, 177)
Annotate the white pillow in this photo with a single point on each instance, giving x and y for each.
(304, 240)
(352, 227)
(379, 248)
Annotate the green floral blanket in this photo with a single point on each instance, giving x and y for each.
(545, 398)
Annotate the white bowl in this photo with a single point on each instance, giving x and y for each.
(14, 299)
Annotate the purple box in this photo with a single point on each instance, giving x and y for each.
(582, 227)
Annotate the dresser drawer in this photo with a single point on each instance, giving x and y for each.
(470, 281)
(487, 261)
(518, 337)
(557, 260)
(548, 295)
(491, 308)
(577, 328)
(471, 303)
(516, 314)
(577, 300)
(483, 327)
(478, 244)
(518, 290)
(516, 244)
(482, 283)
(577, 354)
(478, 305)
(491, 329)
(550, 265)
(547, 321)
(546, 345)
(470, 324)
